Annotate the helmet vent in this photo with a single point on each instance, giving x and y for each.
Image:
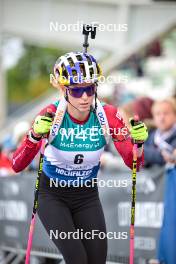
(89, 60)
(98, 69)
(91, 72)
(79, 57)
(82, 68)
(71, 62)
(64, 71)
(74, 72)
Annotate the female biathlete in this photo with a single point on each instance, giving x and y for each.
(76, 139)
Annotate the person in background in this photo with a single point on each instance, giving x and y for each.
(14, 137)
(140, 106)
(160, 148)
(163, 138)
(5, 164)
(12, 141)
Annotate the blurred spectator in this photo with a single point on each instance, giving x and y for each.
(135, 63)
(163, 138)
(140, 106)
(14, 138)
(5, 164)
(154, 49)
(20, 129)
(160, 149)
(19, 132)
(121, 95)
(12, 141)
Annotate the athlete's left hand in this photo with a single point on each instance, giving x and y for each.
(139, 131)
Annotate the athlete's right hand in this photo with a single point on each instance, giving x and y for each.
(42, 125)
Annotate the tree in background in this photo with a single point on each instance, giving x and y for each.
(29, 78)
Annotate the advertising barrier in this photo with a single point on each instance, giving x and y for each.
(16, 200)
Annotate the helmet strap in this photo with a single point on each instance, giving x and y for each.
(66, 95)
(95, 108)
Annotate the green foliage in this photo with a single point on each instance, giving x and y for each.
(29, 78)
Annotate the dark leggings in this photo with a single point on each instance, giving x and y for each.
(69, 209)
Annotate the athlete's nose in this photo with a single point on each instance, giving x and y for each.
(84, 96)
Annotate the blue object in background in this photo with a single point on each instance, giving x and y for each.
(167, 243)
